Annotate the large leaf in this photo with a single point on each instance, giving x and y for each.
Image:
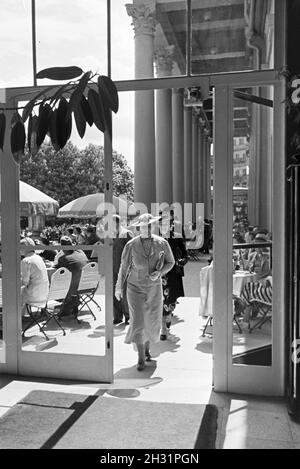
(86, 110)
(15, 118)
(29, 106)
(43, 123)
(80, 120)
(32, 134)
(63, 124)
(96, 106)
(59, 93)
(78, 92)
(60, 73)
(17, 140)
(108, 92)
(52, 130)
(2, 129)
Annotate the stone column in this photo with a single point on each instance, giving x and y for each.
(206, 175)
(188, 170)
(201, 164)
(208, 159)
(36, 223)
(164, 171)
(195, 162)
(254, 168)
(265, 161)
(178, 146)
(144, 24)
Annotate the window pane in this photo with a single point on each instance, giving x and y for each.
(232, 36)
(148, 42)
(15, 39)
(71, 32)
(2, 320)
(252, 226)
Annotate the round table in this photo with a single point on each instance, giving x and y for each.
(239, 280)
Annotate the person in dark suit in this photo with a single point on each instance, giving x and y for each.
(91, 238)
(74, 261)
(47, 255)
(122, 236)
(173, 281)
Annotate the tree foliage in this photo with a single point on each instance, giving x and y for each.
(70, 173)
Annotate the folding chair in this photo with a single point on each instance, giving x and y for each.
(263, 311)
(209, 323)
(238, 309)
(94, 253)
(41, 314)
(87, 287)
(193, 247)
(1, 319)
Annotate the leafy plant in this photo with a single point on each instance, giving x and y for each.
(90, 98)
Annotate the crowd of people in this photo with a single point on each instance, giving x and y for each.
(147, 273)
(148, 269)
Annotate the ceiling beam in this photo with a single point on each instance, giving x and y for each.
(224, 55)
(171, 5)
(253, 98)
(172, 39)
(211, 25)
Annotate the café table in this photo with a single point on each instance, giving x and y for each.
(239, 279)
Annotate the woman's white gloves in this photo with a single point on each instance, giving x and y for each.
(155, 275)
(119, 295)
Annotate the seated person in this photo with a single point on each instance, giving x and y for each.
(91, 238)
(34, 278)
(47, 255)
(259, 258)
(80, 236)
(261, 291)
(70, 233)
(73, 260)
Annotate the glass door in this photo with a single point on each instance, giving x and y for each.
(50, 337)
(249, 238)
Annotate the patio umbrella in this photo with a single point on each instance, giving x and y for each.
(90, 206)
(35, 202)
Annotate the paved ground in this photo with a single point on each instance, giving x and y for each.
(180, 372)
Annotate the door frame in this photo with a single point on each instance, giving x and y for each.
(32, 362)
(15, 361)
(240, 378)
(39, 363)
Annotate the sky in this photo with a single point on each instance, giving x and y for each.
(71, 32)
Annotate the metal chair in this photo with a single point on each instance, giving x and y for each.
(193, 247)
(263, 312)
(87, 287)
(238, 309)
(41, 314)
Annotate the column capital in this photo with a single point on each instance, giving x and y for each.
(143, 18)
(196, 115)
(177, 91)
(163, 58)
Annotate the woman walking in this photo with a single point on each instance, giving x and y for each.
(145, 259)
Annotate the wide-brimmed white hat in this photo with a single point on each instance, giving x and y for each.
(145, 219)
(261, 237)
